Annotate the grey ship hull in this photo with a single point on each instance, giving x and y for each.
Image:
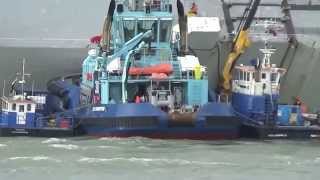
(52, 36)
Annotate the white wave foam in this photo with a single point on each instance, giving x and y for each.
(3, 145)
(34, 158)
(110, 139)
(282, 157)
(129, 140)
(143, 148)
(150, 160)
(108, 147)
(53, 140)
(65, 146)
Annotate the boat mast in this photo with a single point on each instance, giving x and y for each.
(267, 53)
(23, 81)
(4, 88)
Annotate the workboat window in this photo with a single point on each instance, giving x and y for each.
(146, 25)
(4, 105)
(14, 107)
(263, 76)
(245, 76)
(165, 31)
(248, 75)
(21, 108)
(241, 75)
(129, 28)
(29, 107)
(256, 77)
(274, 77)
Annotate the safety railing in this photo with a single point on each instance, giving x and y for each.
(153, 5)
(55, 123)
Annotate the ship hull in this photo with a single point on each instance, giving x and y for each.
(145, 120)
(279, 132)
(8, 132)
(166, 133)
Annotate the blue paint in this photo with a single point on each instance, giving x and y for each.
(131, 110)
(197, 92)
(104, 92)
(287, 112)
(255, 107)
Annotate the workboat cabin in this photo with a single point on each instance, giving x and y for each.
(258, 79)
(18, 111)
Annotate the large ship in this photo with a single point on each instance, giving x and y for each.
(138, 82)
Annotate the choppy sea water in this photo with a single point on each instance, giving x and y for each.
(141, 158)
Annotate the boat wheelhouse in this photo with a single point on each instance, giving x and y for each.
(17, 112)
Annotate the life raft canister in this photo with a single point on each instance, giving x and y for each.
(64, 123)
(138, 99)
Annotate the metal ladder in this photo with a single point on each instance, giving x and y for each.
(269, 110)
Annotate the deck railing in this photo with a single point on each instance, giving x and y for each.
(52, 122)
(156, 5)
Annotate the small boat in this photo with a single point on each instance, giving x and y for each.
(255, 98)
(23, 113)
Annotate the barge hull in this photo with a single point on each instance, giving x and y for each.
(279, 132)
(9, 132)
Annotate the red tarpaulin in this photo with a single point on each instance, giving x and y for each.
(95, 39)
(158, 69)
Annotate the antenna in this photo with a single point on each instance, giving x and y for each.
(4, 88)
(23, 81)
(32, 90)
(267, 52)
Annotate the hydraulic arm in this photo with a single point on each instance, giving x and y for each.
(105, 38)
(183, 27)
(130, 48)
(240, 43)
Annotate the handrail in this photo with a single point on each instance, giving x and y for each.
(53, 122)
(246, 118)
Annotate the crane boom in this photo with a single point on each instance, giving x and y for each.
(105, 37)
(131, 47)
(183, 27)
(240, 43)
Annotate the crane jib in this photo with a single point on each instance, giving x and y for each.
(252, 13)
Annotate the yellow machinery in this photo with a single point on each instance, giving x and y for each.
(240, 43)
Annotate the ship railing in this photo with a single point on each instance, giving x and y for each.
(160, 5)
(223, 98)
(54, 122)
(155, 5)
